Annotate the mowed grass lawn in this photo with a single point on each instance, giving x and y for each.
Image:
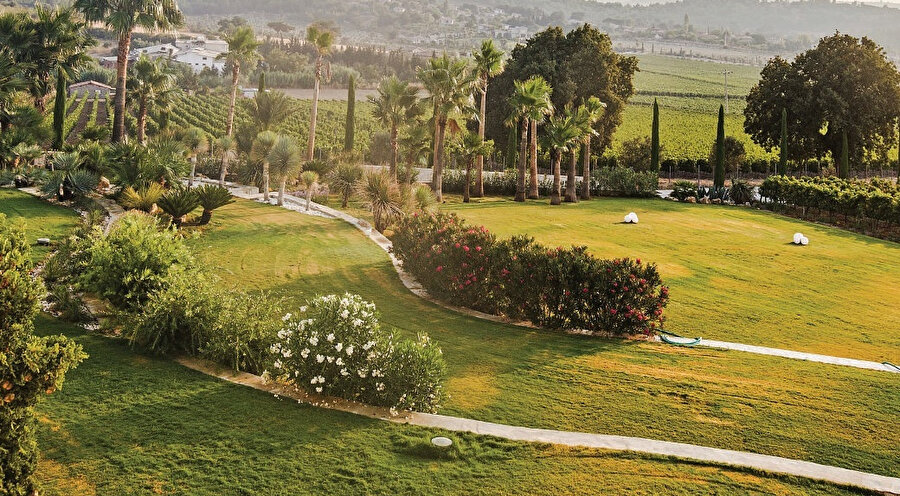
(42, 219)
(129, 424)
(733, 273)
(827, 414)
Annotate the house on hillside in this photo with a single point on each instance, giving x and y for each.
(156, 51)
(200, 59)
(90, 88)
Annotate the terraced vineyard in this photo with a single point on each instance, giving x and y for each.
(83, 112)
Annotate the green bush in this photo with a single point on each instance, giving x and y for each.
(132, 261)
(684, 189)
(877, 200)
(741, 192)
(623, 181)
(335, 346)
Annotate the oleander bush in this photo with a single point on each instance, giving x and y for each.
(561, 289)
(335, 346)
(878, 200)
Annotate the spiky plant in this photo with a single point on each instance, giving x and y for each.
(424, 198)
(382, 197)
(211, 197)
(142, 198)
(344, 180)
(309, 180)
(178, 203)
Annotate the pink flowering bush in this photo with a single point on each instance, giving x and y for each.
(562, 289)
(335, 346)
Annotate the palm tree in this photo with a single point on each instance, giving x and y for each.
(395, 105)
(150, 80)
(10, 82)
(541, 109)
(449, 83)
(469, 146)
(195, 143)
(284, 162)
(488, 63)
(269, 109)
(530, 97)
(592, 112)
(345, 178)
(122, 17)
(321, 39)
(227, 149)
(242, 47)
(309, 180)
(560, 134)
(262, 145)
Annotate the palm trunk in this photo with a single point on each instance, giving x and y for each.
(235, 75)
(281, 191)
(533, 180)
(142, 120)
(586, 171)
(479, 164)
(557, 179)
(395, 151)
(266, 181)
(466, 193)
(223, 171)
(310, 153)
(308, 197)
(520, 179)
(571, 195)
(118, 133)
(437, 181)
(193, 171)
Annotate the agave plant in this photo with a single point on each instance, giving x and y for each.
(178, 203)
(741, 192)
(142, 198)
(211, 197)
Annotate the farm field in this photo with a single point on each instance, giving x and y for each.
(508, 374)
(832, 297)
(126, 423)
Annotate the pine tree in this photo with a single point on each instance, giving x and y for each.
(719, 176)
(844, 171)
(654, 139)
(59, 110)
(783, 152)
(350, 126)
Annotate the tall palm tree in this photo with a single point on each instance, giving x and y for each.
(592, 111)
(195, 143)
(226, 147)
(284, 162)
(123, 17)
(269, 109)
(150, 80)
(321, 39)
(537, 114)
(530, 97)
(242, 47)
(262, 145)
(469, 146)
(488, 63)
(449, 83)
(395, 105)
(560, 134)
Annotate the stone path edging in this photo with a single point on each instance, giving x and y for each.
(410, 282)
(768, 463)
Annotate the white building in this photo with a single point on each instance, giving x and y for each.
(156, 51)
(91, 88)
(199, 59)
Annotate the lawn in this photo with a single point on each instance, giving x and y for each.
(502, 373)
(127, 424)
(42, 219)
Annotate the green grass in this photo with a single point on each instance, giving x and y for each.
(660, 73)
(502, 373)
(127, 424)
(42, 220)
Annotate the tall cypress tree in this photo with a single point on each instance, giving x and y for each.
(59, 110)
(350, 126)
(654, 139)
(844, 171)
(719, 176)
(261, 86)
(783, 152)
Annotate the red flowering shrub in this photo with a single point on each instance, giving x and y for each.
(561, 289)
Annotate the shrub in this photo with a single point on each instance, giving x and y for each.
(178, 203)
(741, 192)
(335, 346)
(133, 260)
(619, 181)
(142, 198)
(562, 289)
(876, 200)
(684, 189)
(212, 197)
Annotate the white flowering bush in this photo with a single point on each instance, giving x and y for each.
(334, 346)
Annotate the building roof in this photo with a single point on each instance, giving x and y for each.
(90, 83)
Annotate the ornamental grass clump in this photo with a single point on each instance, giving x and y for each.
(335, 346)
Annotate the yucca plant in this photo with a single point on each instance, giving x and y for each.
(382, 197)
(178, 203)
(309, 180)
(424, 198)
(741, 192)
(142, 198)
(344, 180)
(211, 197)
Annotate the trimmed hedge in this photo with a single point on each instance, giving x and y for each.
(560, 289)
(877, 199)
(605, 181)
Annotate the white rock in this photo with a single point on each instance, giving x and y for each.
(798, 237)
(43, 241)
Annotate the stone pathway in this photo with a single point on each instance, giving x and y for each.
(718, 456)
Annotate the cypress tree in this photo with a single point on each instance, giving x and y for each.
(261, 86)
(783, 151)
(654, 139)
(844, 171)
(350, 126)
(719, 175)
(59, 110)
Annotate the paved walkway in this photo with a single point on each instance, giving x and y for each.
(767, 463)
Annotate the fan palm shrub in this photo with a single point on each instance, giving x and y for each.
(211, 197)
(178, 203)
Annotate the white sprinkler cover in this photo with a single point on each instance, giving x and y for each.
(441, 441)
